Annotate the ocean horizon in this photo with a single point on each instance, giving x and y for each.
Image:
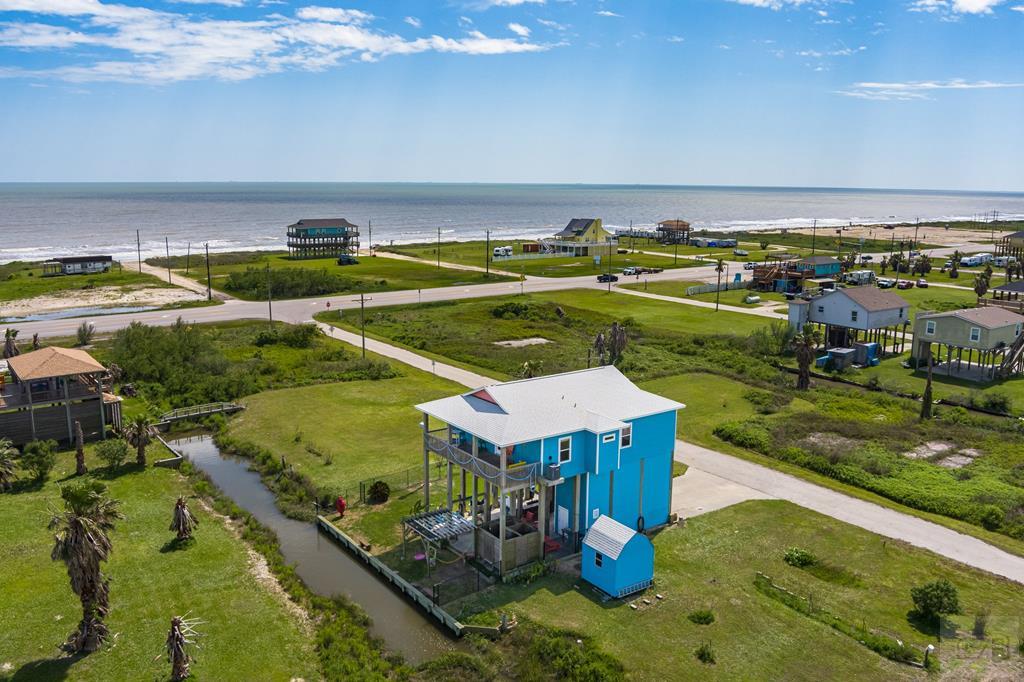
(44, 220)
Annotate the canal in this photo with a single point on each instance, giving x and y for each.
(326, 568)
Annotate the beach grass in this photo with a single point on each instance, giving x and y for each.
(247, 631)
(20, 280)
(710, 564)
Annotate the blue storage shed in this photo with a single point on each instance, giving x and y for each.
(616, 559)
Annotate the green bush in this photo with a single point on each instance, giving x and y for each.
(705, 654)
(767, 402)
(799, 558)
(287, 282)
(378, 493)
(702, 617)
(936, 599)
(38, 458)
(113, 452)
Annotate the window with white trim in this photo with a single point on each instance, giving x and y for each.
(853, 316)
(929, 327)
(598, 559)
(564, 449)
(975, 334)
(608, 438)
(626, 436)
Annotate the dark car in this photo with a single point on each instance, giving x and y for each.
(607, 278)
(348, 260)
(905, 284)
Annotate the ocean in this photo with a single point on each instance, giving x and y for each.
(39, 221)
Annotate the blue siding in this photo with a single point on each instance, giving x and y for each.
(634, 565)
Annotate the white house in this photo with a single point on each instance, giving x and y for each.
(865, 311)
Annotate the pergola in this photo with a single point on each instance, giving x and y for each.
(435, 528)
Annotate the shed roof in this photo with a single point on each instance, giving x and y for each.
(989, 317)
(84, 259)
(323, 222)
(576, 227)
(673, 225)
(1014, 235)
(1010, 286)
(46, 363)
(872, 298)
(597, 400)
(608, 536)
(819, 260)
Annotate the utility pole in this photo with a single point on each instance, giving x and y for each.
(188, 256)
(362, 320)
(718, 291)
(487, 254)
(814, 235)
(209, 282)
(917, 226)
(270, 297)
(609, 265)
(369, 226)
(138, 248)
(439, 248)
(167, 250)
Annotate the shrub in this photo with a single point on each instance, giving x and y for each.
(287, 282)
(980, 624)
(113, 452)
(799, 558)
(991, 517)
(702, 617)
(766, 402)
(935, 599)
(85, 333)
(378, 493)
(705, 654)
(38, 458)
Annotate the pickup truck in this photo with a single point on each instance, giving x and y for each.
(640, 270)
(605, 277)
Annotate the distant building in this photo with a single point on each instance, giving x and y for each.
(1011, 245)
(581, 237)
(820, 266)
(674, 232)
(864, 313)
(77, 265)
(616, 559)
(52, 388)
(990, 336)
(548, 457)
(713, 242)
(323, 238)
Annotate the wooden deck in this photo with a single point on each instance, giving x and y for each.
(198, 411)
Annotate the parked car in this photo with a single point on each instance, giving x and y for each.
(886, 283)
(605, 277)
(922, 283)
(749, 265)
(348, 260)
(905, 284)
(630, 271)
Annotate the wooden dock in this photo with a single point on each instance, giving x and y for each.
(198, 411)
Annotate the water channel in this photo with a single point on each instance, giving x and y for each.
(326, 568)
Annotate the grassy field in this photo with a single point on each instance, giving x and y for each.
(248, 633)
(473, 253)
(369, 275)
(469, 331)
(735, 297)
(711, 563)
(24, 280)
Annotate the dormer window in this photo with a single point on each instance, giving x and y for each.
(626, 436)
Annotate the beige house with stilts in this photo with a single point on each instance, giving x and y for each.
(52, 388)
(977, 344)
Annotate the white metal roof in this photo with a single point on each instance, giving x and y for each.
(598, 400)
(608, 536)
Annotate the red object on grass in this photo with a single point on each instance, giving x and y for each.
(551, 545)
(340, 505)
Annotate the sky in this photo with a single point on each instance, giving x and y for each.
(829, 93)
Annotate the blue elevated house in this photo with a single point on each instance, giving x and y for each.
(616, 559)
(818, 266)
(533, 464)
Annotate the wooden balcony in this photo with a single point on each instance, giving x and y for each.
(517, 475)
(16, 395)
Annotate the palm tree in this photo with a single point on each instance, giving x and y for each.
(11, 343)
(8, 464)
(80, 468)
(980, 284)
(82, 542)
(926, 398)
(177, 646)
(599, 347)
(183, 523)
(719, 268)
(617, 340)
(805, 344)
(139, 433)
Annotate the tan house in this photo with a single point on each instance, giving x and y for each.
(988, 339)
(52, 388)
(674, 232)
(579, 237)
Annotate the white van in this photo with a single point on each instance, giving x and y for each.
(502, 251)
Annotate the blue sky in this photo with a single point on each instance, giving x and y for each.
(848, 93)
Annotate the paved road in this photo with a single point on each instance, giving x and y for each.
(877, 519)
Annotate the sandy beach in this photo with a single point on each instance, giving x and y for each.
(101, 297)
(929, 234)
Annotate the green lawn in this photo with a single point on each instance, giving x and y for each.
(468, 331)
(678, 290)
(472, 253)
(369, 275)
(24, 280)
(339, 434)
(711, 563)
(247, 631)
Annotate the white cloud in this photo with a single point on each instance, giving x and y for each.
(1018, 8)
(772, 4)
(918, 90)
(840, 52)
(413, 21)
(161, 46)
(226, 3)
(519, 30)
(484, 4)
(606, 13)
(553, 25)
(952, 7)
(676, 39)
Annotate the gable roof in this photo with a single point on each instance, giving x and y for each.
(673, 225)
(597, 400)
(1010, 286)
(608, 536)
(989, 317)
(576, 227)
(1014, 235)
(872, 299)
(819, 260)
(53, 362)
(323, 222)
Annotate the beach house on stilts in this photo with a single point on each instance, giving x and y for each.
(533, 464)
